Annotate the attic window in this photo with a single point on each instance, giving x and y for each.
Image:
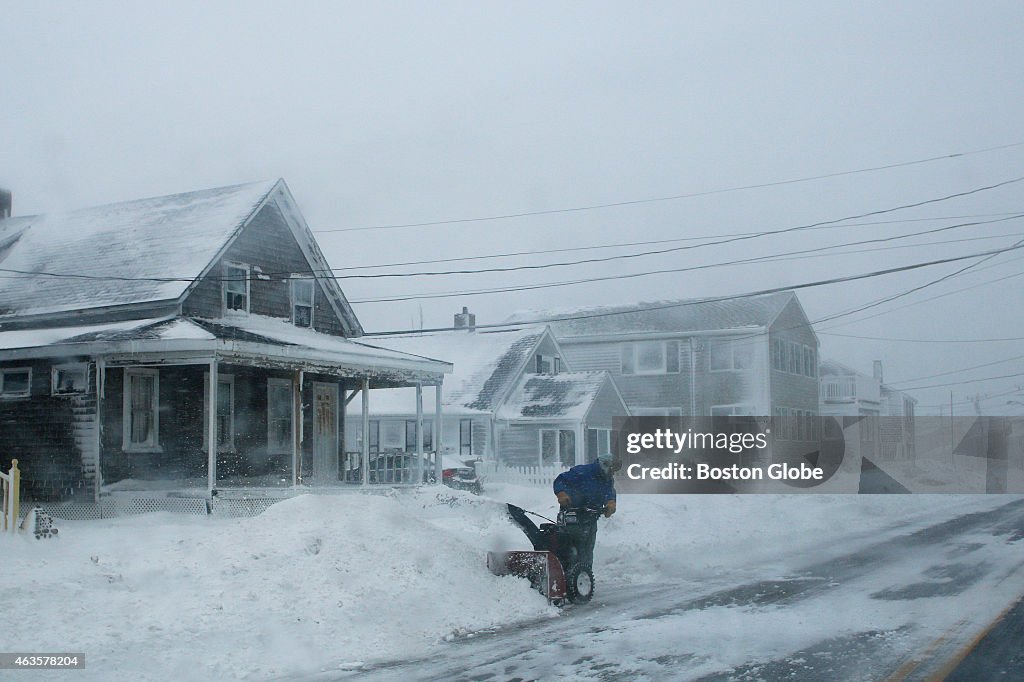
(548, 364)
(236, 287)
(302, 300)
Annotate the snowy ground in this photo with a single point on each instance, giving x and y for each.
(340, 583)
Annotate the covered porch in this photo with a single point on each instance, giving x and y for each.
(252, 407)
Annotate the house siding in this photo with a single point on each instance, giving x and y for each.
(39, 431)
(268, 243)
(605, 408)
(671, 391)
(520, 443)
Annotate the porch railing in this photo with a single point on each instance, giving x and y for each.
(10, 486)
(389, 466)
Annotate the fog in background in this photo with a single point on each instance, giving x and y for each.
(382, 114)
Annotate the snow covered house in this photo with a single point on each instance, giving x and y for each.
(754, 355)
(889, 434)
(194, 343)
(512, 398)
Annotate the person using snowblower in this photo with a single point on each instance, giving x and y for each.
(589, 486)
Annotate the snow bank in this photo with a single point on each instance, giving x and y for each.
(346, 578)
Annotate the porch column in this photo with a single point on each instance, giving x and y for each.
(419, 433)
(366, 431)
(101, 376)
(211, 428)
(296, 426)
(580, 456)
(438, 437)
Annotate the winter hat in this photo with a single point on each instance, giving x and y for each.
(606, 459)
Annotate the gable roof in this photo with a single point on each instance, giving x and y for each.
(486, 364)
(547, 397)
(142, 251)
(116, 253)
(664, 316)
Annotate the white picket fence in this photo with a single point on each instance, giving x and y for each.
(496, 472)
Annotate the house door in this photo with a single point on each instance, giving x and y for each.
(325, 434)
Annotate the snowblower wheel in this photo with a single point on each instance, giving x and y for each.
(580, 586)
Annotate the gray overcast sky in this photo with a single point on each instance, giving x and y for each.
(393, 113)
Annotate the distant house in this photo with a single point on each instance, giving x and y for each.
(512, 398)
(196, 343)
(745, 356)
(889, 433)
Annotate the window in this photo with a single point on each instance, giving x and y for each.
(794, 358)
(280, 413)
(410, 435)
(731, 355)
(598, 441)
(225, 412)
(303, 289)
(547, 364)
(466, 437)
(557, 446)
(236, 287)
(732, 410)
(795, 424)
(141, 414)
(16, 382)
(70, 379)
(374, 436)
(650, 357)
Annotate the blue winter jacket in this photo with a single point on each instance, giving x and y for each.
(586, 485)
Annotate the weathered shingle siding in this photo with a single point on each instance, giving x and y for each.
(266, 242)
(519, 444)
(39, 431)
(638, 390)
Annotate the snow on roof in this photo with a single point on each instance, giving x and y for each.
(262, 329)
(662, 316)
(485, 364)
(162, 334)
(174, 236)
(560, 396)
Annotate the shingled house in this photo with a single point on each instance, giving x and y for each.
(194, 343)
(512, 398)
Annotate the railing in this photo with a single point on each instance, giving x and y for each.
(10, 486)
(496, 472)
(387, 467)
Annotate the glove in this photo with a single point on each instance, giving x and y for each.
(609, 508)
(563, 499)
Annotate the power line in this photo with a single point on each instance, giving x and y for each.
(589, 280)
(902, 340)
(679, 304)
(675, 249)
(967, 381)
(674, 197)
(616, 245)
(954, 371)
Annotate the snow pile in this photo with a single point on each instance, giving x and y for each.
(342, 579)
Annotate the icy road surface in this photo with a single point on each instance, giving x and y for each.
(902, 605)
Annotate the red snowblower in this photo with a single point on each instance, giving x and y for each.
(559, 566)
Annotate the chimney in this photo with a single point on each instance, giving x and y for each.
(877, 370)
(5, 203)
(465, 320)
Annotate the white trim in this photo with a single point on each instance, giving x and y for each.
(224, 287)
(230, 380)
(68, 367)
(289, 446)
(558, 446)
(152, 444)
(13, 370)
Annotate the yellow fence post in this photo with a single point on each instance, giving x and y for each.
(15, 494)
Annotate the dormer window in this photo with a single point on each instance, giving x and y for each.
(548, 364)
(302, 300)
(236, 287)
